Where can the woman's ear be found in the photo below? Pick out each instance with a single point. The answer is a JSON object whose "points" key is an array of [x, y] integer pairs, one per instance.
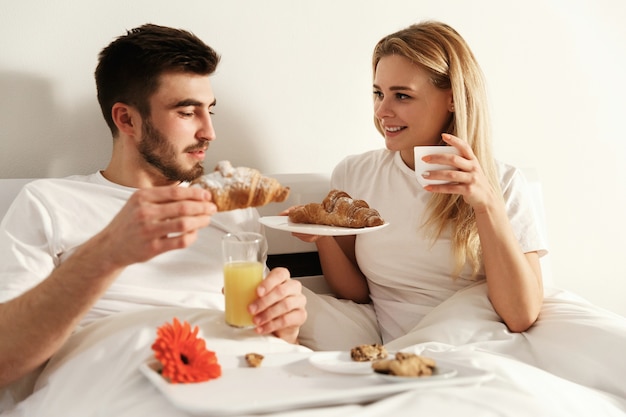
{"points": [[126, 118], [451, 104]]}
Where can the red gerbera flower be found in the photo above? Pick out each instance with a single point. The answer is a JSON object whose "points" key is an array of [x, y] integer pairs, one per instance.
{"points": [[184, 355]]}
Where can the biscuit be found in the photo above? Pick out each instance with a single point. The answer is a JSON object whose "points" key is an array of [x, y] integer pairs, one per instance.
{"points": [[365, 353], [254, 359], [405, 364]]}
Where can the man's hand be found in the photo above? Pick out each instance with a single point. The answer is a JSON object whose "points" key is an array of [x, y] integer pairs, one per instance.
{"points": [[154, 221], [280, 308]]}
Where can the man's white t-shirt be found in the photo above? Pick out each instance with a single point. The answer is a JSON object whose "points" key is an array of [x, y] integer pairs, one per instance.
{"points": [[408, 274], [51, 217]]}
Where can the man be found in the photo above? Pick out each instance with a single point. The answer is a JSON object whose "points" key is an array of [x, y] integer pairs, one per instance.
{"points": [[134, 235]]}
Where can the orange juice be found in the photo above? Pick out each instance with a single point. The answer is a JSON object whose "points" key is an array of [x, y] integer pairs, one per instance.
{"points": [[240, 282]]}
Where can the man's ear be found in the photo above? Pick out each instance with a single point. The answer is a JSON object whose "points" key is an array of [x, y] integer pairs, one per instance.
{"points": [[126, 118]]}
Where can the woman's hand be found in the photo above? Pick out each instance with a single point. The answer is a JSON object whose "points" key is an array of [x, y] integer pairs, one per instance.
{"points": [[469, 181], [302, 236]]}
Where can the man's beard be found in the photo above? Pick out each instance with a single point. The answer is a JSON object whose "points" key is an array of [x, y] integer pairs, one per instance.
{"points": [[159, 153]]}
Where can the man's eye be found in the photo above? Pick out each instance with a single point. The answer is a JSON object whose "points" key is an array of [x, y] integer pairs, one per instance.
{"points": [[186, 114]]}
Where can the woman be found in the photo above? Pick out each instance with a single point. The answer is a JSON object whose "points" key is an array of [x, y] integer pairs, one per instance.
{"points": [[429, 90]]}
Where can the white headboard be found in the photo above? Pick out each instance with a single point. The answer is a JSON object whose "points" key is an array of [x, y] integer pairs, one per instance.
{"points": [[305, 188], [8, 190]]}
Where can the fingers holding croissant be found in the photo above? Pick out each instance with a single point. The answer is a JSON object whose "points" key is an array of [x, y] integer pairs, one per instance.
{"points": [[241, 187]]}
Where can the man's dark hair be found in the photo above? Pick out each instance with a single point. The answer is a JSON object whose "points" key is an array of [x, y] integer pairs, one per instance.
{"points": [[129, 68]]}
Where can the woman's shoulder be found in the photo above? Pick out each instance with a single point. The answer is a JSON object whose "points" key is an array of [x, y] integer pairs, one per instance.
{"points": [[511, 175], [361, 165], [376, 156]]}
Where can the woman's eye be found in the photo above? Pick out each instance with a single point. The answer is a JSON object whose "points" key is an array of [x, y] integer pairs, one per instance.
{"points": [[378, 94], [402, 96]]}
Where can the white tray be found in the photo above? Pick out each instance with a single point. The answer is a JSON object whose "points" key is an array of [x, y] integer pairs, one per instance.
{"points": [[288, 381]]}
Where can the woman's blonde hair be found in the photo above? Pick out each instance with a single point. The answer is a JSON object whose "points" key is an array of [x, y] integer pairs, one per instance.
{"points": [[445, 55]]}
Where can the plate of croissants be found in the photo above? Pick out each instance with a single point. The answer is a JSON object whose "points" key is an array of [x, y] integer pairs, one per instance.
{"points": [[283, 223], [337, 215]]}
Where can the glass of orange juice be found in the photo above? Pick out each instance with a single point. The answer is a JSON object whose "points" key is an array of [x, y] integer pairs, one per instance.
{"points": [[244, 266]]}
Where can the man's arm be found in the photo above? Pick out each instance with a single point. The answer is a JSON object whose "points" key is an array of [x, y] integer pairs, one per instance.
{"points": [[153, 221]]}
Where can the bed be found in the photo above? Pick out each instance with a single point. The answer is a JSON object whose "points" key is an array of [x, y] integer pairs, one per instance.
{"points": [[570, 363]]}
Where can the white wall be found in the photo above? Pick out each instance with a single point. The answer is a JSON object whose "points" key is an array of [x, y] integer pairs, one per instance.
{"points": [[294, 95]]}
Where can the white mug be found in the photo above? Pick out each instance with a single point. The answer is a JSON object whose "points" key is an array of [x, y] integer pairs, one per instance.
{"points": [[421, 166]]}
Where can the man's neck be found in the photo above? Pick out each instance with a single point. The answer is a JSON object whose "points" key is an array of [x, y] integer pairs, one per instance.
{"points": [[131, 175], [128, 169]]}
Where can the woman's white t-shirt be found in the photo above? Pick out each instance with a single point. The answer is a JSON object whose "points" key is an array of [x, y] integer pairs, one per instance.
{"points": [[409, 274]]}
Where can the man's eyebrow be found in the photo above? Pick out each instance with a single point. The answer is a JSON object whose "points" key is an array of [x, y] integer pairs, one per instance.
{"points": [[192, 102]]}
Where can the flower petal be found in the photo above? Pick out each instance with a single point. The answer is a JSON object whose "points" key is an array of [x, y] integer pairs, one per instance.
{"points": [[183, 355]]}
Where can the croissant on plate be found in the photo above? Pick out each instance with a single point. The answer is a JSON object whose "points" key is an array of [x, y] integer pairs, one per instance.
{"points": [[337, 209], [241, 187]]}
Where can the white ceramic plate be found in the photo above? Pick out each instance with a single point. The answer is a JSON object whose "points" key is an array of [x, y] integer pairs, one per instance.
{"points": [[283, 223], [340, 363], [440, 372]]}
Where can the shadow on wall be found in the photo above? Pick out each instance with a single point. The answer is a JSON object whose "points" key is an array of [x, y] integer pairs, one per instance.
{"points": [[39, 137], [42, 137]]}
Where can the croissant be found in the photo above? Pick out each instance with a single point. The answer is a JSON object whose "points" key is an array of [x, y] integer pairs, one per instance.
{"points": [[241, 187], [337, 209]]}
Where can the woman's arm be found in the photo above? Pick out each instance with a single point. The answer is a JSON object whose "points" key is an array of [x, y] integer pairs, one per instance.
{"points": [[514, 279], [339, 266]]}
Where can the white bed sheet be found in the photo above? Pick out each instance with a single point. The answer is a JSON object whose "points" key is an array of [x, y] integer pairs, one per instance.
{"points": [[569, 364]]}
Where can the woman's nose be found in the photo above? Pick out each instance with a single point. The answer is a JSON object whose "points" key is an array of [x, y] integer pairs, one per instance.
{"points": [[382, 109]]}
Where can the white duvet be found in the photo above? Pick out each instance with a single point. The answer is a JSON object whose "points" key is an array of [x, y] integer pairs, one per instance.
{"points": [[570, 363]]}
